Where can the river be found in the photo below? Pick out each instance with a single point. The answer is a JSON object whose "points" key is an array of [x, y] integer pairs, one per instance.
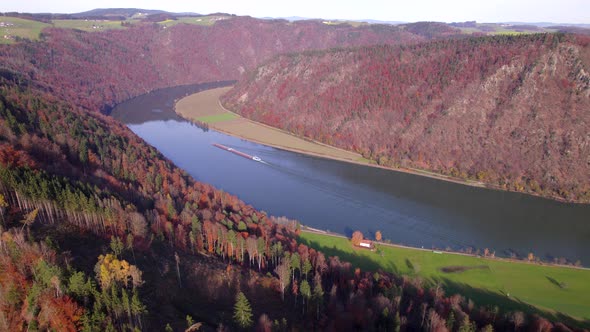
{"points": [[342, 197]]}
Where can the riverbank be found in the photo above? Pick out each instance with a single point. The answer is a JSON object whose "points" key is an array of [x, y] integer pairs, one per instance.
{"points": [[460, 253], [204, 107], [513, 285]]}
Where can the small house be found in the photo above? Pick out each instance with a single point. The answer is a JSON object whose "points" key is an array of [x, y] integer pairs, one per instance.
{"points": [[367, 244]]}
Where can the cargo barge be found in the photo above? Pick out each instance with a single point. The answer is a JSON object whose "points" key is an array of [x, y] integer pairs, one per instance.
{"points": [[239, 153]]}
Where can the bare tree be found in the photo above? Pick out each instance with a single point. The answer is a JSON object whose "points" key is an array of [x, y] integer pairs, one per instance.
{"points": [[378, 236], [251, 247], [283, 271], [264, 324]]}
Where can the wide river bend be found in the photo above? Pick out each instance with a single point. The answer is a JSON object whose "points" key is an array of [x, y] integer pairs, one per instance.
{"points": [[342, 197]]}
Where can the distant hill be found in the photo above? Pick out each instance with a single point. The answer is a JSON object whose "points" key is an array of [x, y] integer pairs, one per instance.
{"points": [[301, 18], [126, 12], [431, 30], [571, 29], [223, 50], [99, 13]]}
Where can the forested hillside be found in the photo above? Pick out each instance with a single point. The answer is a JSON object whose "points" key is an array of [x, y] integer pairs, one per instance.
{"points": [[97, 70], [99, 232], [512, 112]]}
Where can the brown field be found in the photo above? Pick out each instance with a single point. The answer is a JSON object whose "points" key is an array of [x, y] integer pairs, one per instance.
{"points": [[204, 106]]}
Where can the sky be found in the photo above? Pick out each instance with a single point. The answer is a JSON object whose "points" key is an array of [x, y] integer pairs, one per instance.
{"points": [[557, 11]]}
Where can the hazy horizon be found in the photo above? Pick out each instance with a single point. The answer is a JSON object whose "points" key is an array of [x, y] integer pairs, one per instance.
{"points": [[493, 11]]}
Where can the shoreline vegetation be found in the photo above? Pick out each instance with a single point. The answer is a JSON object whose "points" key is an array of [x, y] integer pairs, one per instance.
{"points": [[512, 281], [205, 109]]}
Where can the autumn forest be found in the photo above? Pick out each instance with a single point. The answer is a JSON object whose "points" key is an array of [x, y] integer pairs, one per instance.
{"points": [[101, 232]]}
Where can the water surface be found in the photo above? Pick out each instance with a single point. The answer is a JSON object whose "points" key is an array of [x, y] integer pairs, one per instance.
{"points": [[343, 197]]}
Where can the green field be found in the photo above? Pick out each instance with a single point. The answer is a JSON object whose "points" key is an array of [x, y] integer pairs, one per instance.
{"points": [[201, 20], [365, 160], [21, 28], [556, 291], [13, 27], [88, 25], [498, 29], [352, 23], [217, 117]]}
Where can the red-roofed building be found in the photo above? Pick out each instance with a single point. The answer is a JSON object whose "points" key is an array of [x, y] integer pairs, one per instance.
{"points": [[366, 244]]}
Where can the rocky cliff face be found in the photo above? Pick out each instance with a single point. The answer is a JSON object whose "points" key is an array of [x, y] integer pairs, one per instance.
{"points": [[512, 112]]}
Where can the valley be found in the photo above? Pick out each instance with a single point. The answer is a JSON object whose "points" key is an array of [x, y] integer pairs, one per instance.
{"points": [[343, 197], [116, 214]]}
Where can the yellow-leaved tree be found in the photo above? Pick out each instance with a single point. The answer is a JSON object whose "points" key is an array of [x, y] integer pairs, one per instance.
{"points": [[357, 237], [111, 270]]}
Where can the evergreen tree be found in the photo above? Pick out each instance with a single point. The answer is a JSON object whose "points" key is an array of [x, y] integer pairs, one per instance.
{"points": [[451, 321], [189, 321], [242, 311], [83, 151], [3, 206], [305, 290], [137, 308], [242, 226], [318, 294], [306, 268], [397, 323], [466, 325], [116, 246], [488, 328]]}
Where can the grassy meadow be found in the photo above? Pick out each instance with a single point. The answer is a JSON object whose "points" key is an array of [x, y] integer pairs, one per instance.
{"points": [[88, 25], [217, 117], [499, 29], [11, 27], [200, 20], [556, 291], [30, 29]]}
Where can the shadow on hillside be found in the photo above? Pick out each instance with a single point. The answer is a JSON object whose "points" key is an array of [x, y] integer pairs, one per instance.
{"points": [[481, 297], [505, 302], [364, 262]]}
